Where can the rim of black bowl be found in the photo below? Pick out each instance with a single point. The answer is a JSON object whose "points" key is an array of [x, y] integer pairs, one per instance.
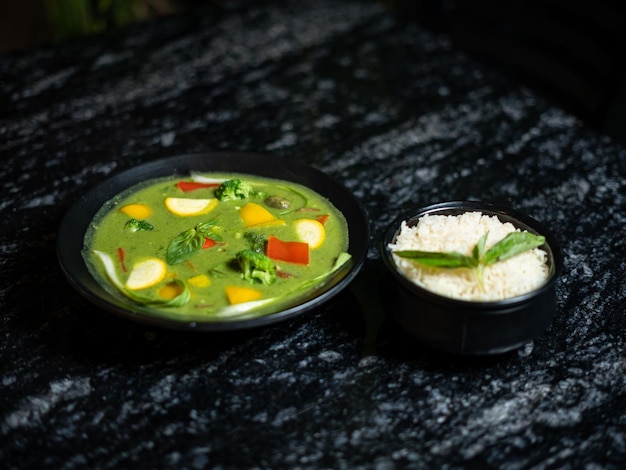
{"points": [[77, 219], [505, 214]]}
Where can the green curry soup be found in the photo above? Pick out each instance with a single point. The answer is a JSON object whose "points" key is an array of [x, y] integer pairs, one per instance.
{"points": [[216, 246]]}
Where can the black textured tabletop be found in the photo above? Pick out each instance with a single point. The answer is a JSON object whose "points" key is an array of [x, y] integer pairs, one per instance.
{"points": [[402, 119]]}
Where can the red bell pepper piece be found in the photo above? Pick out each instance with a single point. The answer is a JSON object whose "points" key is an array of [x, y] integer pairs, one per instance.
{"points": [[322, 218], [291, 252], [187, 186], [121, 255], [208, 243]]}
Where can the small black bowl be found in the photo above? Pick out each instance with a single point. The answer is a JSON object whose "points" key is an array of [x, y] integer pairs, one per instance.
{"points": [[466, 327]]}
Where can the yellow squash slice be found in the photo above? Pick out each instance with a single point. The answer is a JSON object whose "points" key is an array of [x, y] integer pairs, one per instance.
{"points": [[310, 231], [146, 273], [186, 207]]}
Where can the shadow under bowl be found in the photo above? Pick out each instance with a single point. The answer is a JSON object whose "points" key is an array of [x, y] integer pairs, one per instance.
{"points": [[465, 327]]}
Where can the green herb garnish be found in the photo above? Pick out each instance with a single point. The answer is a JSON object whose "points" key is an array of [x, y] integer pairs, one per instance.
{"points": [[511, 245], [135, 225], [189, 242]]}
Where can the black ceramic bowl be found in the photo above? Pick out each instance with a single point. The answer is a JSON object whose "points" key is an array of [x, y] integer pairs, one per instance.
{"points": [[77, 219], [470, 327]]}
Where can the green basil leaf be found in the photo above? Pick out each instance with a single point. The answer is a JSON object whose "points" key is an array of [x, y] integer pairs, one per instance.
{"points": [[450, 259], [205, 225], [479, 249], [511, 245], [184, 246], [207, 230]]}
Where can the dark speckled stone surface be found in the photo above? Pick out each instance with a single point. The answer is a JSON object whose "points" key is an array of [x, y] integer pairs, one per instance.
{"points": [[401, 118]]}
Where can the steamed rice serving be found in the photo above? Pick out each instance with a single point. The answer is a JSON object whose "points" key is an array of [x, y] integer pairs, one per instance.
{"points": [[446, 233]]}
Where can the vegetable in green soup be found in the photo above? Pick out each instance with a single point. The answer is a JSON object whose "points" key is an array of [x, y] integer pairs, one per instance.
{"points": [[216, 246]]}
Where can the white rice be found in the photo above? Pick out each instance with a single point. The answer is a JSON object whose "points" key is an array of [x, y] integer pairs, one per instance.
{"points": [[503, 279]]}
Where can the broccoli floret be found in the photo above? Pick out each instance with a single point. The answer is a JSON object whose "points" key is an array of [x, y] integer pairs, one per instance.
{"points": [[256, 267], [256, 241], [233, 189], [134, 225]]}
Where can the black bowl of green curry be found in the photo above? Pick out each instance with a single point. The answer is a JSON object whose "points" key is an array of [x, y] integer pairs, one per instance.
{"points": [[76, 223]]}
